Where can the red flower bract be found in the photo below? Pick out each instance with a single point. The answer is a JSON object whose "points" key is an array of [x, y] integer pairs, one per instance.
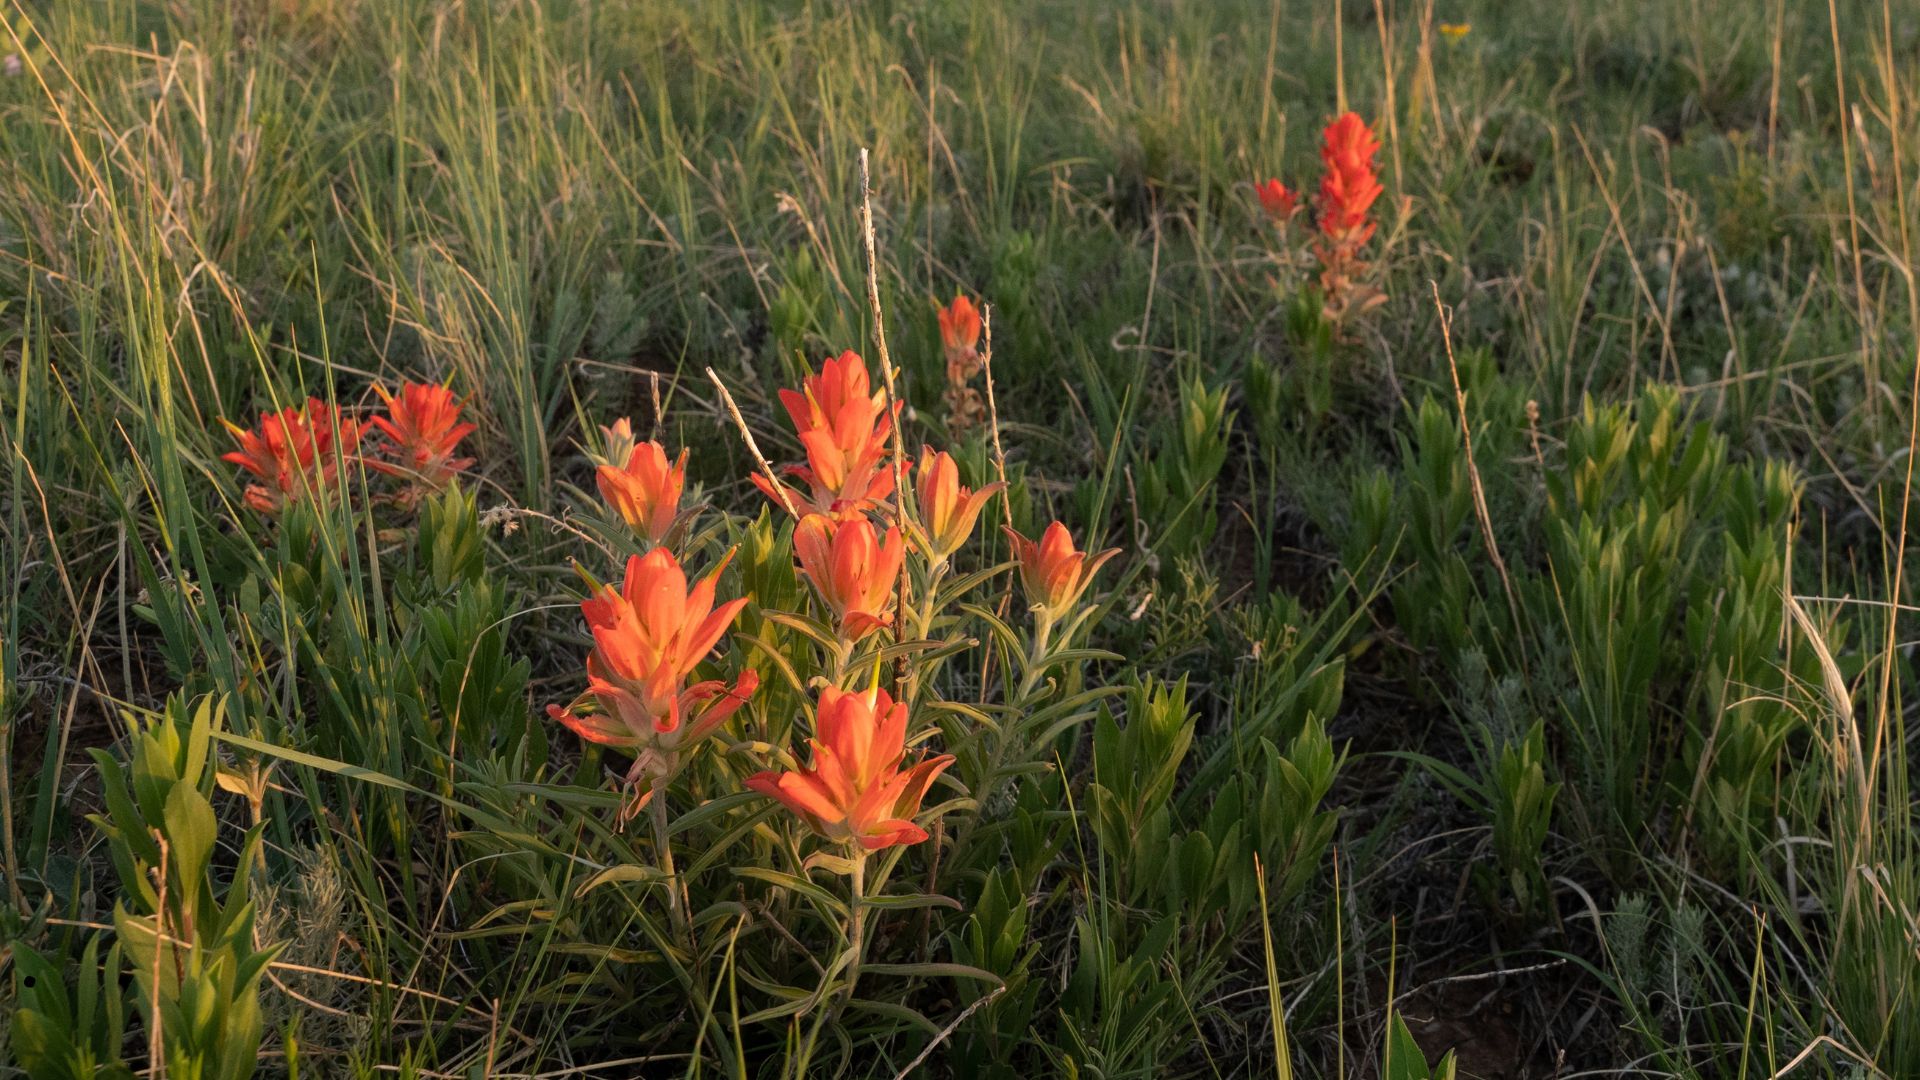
{"points": [[856, 792], [853, 569], [1349, 187], [648, 636], [293, 451], [424, 427], [947, 510], [844, 426], [959, 328], [646, 492], [1052, 572], [1278, 200]]}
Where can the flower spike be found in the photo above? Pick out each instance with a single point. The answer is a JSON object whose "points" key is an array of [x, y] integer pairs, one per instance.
{"points": [[294, 452], [855, 792]]}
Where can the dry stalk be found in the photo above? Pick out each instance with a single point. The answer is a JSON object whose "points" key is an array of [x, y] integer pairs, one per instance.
{"points": [[1473, 470], [753, 448], [893, 414]]}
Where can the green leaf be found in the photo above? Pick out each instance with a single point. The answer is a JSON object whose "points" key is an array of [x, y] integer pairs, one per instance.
{"points": [[191, 828], [713, 808], [912, 900], [931, 971], [793, 883], [199, 741], [896, 1012], [329, 765], [1405, 1059], [613, 875], [833, 864]]}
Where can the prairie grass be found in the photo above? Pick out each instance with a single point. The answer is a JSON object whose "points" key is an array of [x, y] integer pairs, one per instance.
{"points": [[1543, 637]]}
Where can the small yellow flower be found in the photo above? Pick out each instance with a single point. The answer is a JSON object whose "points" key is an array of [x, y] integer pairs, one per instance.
{"points": [[1453, 32]]}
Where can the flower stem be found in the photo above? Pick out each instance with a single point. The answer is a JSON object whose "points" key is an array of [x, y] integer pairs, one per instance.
{"points": [[843, 653], [1038, 661], [857, 923], [935, 574], [1037, 656], [676, 899], [924, 630]]}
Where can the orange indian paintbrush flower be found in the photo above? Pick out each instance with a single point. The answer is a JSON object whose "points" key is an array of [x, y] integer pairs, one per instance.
{"points": [[843, 425], [947, 510], [294, 452], [959, 330], [852, 568], [423, 424], [1349, 187], [646, 492], [1278, 200], [960, 326], [1347, 193], [856, 792], [1052, 572], [648, 637]]}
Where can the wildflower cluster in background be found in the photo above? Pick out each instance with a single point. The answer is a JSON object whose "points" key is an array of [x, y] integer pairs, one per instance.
{"points": [[960, 340], [1278, 200], [1348, 189], [423, 428], [296, 453], [1342, 212]]}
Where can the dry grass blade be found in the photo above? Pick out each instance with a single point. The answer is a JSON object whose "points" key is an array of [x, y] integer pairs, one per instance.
{"points": [[746, 434], [894, 413], [1481, 515]]}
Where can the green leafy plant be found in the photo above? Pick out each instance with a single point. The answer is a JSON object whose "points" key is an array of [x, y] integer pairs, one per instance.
{"points": [[187, 940], [65, 1035]]}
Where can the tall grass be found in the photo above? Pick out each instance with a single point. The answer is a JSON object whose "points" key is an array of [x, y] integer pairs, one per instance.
{"points": [[1675, 244]]}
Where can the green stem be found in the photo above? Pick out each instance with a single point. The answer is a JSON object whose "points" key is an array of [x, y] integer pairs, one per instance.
{"points": [[934, 575], [676, 900], [1037, 664], [1037, 655], [923, 629], [843, 652], [857, 923]]}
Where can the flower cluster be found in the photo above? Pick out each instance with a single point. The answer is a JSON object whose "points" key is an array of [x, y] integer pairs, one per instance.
{"points": [[1348, 189], [1052, 572], [423, 428], [1349, 186], [853, 568], [644, 490], [947, 509], [1278, 200], [860, 536], [295, 454]]}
